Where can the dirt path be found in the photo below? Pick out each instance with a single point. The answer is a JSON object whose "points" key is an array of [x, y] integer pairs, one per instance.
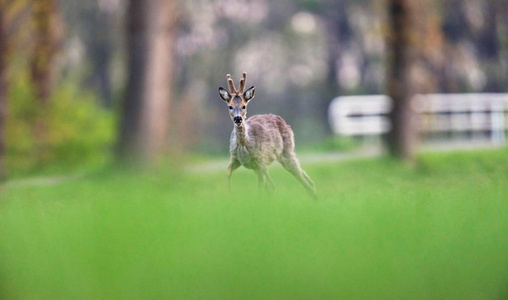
{"points": [[221, 164], [41, 181], [305, 159]]}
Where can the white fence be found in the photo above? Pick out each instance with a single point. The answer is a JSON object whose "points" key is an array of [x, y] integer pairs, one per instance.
{"points": [[470, 114]]}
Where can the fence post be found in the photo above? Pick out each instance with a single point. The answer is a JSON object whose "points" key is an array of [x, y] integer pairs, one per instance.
{"points": [[497, 121]]}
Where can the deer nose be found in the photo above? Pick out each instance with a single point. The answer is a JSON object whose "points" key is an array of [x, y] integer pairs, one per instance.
{"points": [[237, 119]]}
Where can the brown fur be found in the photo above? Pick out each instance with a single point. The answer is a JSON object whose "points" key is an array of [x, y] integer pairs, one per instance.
{"points": [[258, 141]]}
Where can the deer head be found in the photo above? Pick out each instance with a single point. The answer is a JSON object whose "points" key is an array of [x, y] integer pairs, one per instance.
{"points": [[237, 100]]}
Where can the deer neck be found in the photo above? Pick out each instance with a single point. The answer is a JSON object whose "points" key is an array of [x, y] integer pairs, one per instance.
{"points": [[241, 135]]}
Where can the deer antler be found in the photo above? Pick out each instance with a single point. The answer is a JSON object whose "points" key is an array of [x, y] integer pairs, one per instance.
{"points": [[231, 84], [242, 83]]}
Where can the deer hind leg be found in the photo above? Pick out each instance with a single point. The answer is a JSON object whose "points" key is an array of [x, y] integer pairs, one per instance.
{"points": [[290, 163], [233, 165], [308, 180]]}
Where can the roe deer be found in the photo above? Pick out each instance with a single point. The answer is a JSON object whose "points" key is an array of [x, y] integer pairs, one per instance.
{"points": [[259, 140]]}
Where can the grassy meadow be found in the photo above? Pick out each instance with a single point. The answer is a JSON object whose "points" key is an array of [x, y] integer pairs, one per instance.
{"points": [[380, 230]]}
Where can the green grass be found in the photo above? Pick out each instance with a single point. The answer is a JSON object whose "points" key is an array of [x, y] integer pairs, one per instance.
{"points": [[381, 230]]}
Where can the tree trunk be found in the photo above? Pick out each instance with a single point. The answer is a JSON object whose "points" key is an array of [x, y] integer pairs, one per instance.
{"points": [[48, 37], [502, 18], [402, 137], [100, 47], [150, 37], [490, 48], [339, 33], [3, 90], [48, 32]]}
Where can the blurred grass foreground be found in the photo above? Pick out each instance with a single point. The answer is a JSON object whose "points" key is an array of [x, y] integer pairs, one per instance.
{"points": [[381, 230]]}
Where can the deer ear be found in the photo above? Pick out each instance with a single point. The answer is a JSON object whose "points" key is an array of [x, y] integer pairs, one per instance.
{"points": [[249, 94], [224, 94]]}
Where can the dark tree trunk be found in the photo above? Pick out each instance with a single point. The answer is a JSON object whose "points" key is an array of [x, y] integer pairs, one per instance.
{"points": [[502, 28], [339, 33], [103, 56], [489, 48], [101, 47], [150, 37], [402, 137], [3, 92]]}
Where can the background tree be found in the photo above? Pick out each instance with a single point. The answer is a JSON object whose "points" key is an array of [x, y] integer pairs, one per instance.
{"points": [[48, 37], [150, 38], [401, 47], [339, 34], [3, 87], [299, 54], [489, 46], [95, 28]]}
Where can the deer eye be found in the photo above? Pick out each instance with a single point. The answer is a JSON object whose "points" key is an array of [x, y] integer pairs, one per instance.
{"points": [[243, 107], [231, 107]]}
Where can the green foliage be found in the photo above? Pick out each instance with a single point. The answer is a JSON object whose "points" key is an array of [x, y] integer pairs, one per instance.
{"points": [[380, 230], [80, 130], [21, 118], [76, 130]]}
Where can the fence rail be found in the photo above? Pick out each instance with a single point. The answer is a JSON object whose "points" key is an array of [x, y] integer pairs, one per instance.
{"points": [[437, 113]]}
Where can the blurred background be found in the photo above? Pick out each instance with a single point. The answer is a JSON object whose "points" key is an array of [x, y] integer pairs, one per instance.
{"points": [[88, 87], [85, 82]]}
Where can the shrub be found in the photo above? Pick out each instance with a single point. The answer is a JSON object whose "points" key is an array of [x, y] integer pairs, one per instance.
{"points": [[77, 131]]}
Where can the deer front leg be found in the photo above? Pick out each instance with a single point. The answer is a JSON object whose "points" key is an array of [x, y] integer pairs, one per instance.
{"points": [[233, 165], [270, 186], [261, 180], [264, 181]]}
